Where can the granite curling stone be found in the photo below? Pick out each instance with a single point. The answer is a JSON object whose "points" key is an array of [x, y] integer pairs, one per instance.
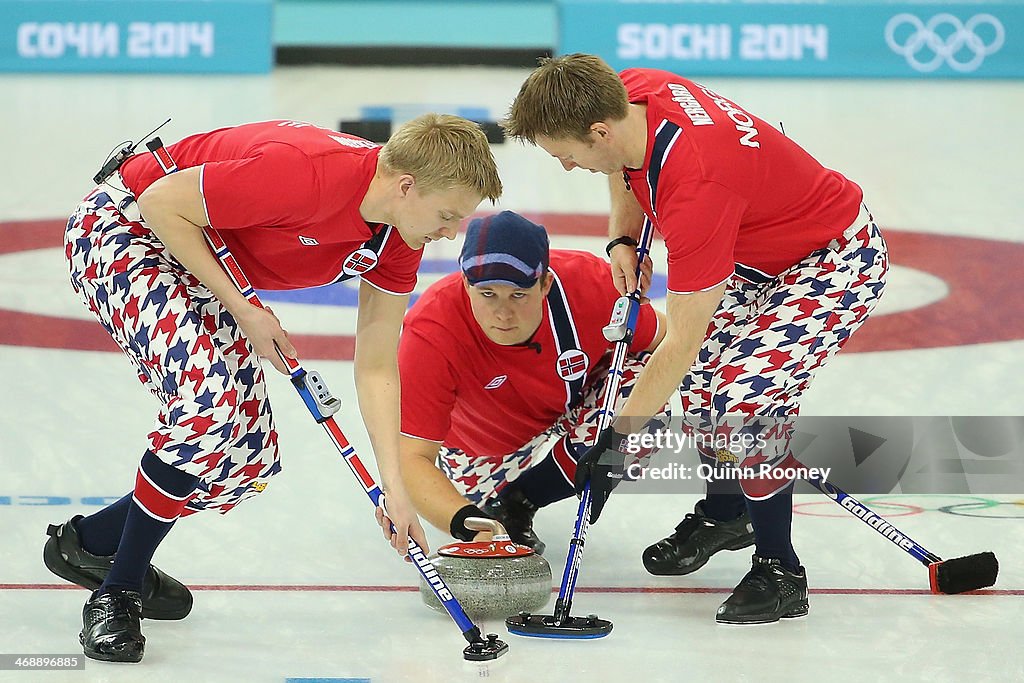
{"points": [[491, 579]]}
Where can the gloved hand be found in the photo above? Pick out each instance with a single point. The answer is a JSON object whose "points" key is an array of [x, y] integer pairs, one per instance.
{"points": [[602, 466]]}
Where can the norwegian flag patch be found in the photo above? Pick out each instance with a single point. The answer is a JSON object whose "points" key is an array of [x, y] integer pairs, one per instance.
{"points": [[359, 262], [572, 364]]}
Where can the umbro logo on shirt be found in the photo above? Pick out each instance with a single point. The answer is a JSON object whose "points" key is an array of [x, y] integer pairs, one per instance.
{"points": [[496, 382], [308, 241]]}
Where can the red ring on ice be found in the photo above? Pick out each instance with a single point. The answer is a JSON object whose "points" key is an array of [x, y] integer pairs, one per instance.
{"points": [[983, 305]]}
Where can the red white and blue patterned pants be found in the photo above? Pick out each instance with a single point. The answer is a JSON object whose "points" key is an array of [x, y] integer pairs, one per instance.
{"points": [[766, 341], [214, 420], [481, 477]]}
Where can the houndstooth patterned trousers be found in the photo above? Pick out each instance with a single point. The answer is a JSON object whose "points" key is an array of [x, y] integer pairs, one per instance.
{"points": [[767, 340], [214, 420], [481, 477]]}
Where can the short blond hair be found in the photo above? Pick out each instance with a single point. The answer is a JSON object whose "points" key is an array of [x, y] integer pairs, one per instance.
{"points": [[443, 152], [564, 97]]}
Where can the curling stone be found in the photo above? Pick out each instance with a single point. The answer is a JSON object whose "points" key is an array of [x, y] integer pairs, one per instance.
{"points": [[491, 579]]}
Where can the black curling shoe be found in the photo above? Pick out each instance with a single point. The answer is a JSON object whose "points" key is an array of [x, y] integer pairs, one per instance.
{"points": [[695, 540], [163, 596], [767, 593], [111, 627]]}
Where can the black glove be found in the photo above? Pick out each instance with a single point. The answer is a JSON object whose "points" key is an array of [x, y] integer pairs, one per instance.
{"points": [[458, 524], [602, 466]]}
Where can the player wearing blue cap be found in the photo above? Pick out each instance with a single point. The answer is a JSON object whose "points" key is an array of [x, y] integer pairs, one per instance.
{"points": [[498, 360]]}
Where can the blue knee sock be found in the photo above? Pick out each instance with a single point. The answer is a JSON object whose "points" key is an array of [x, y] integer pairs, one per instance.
{"points": [[724, 500], [100, 532], [773, 525], [545, 483], [161, 492]]}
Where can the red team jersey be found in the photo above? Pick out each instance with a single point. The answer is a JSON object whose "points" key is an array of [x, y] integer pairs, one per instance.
{"points": [[285, 197], [462, 389], [728, 192]]}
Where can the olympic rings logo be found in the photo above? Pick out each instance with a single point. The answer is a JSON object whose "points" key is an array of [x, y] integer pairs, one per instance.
{"points": [[910, 505], [946, 39]]}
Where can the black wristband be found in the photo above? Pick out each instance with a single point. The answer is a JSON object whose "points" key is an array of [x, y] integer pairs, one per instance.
{"points": [[458, 526], [617, 241]]}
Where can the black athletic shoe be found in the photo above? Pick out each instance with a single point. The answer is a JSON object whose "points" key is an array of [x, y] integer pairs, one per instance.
{"points": [[695, 540], [163, 597], [767, 593], [111, 629], [515, 512]]}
